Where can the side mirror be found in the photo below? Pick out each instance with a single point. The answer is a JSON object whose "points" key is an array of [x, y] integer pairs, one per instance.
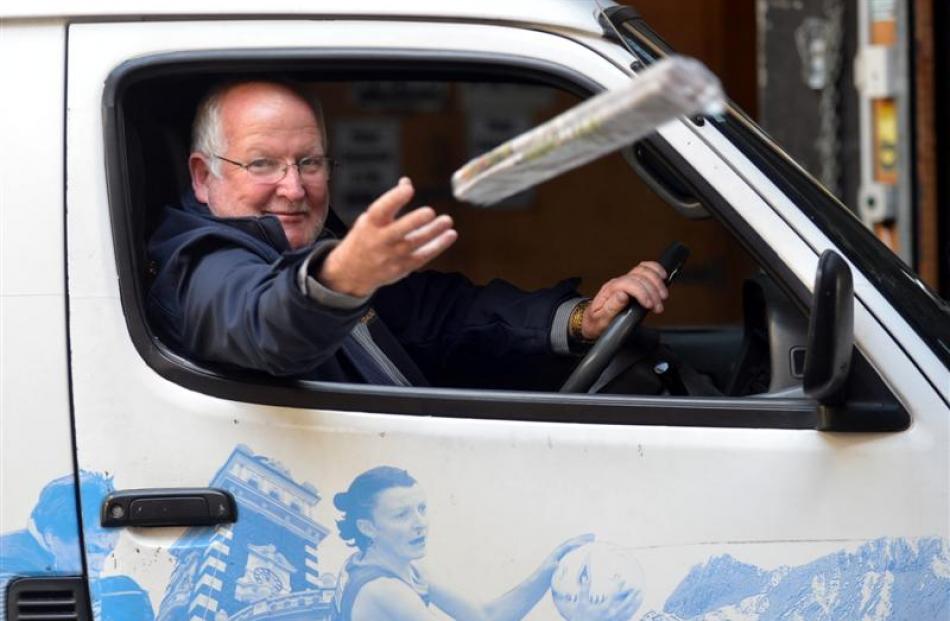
{"points": [[850, 398], [830, 331]]}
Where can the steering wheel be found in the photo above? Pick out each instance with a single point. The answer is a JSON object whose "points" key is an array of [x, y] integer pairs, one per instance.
{"points": [[623, 325]]}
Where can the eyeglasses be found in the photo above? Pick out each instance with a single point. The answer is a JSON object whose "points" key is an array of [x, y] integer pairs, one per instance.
{"points": [[269, 171]]}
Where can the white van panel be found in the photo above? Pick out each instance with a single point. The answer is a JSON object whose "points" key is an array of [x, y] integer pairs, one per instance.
{"points": [[550, 12], [34, 399], [36, 449], [31, 213], [502, 494]]}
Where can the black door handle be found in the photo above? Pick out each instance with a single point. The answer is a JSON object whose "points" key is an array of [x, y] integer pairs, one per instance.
{"points": [[645, 158], [202, 506]]}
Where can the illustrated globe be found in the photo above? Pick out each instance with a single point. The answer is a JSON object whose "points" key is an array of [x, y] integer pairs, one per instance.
{"points": [[598, 582]]}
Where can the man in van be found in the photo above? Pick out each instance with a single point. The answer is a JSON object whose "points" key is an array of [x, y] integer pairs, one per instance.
{"points": [[249, 278]]}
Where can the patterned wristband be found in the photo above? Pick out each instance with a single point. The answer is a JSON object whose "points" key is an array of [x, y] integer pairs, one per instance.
{"points": [[576, 322]]}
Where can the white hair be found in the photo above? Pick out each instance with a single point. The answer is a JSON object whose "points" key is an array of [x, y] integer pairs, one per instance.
{"points": [[207, 136]]}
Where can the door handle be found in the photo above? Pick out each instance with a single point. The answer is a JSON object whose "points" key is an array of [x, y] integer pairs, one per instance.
{"points": [[204, 506], [662, 178]]}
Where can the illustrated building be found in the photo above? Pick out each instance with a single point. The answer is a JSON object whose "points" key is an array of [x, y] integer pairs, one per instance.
{"points": [[264, 566]]}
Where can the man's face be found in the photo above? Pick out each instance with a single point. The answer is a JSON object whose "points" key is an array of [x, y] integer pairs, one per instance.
{"points": [[266, 121]]}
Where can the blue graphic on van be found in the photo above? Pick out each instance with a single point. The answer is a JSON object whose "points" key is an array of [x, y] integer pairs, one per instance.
{"points": [[384, 518], [265, 566], [598, 581], [262, 566], [49, 545], [883, 579]]}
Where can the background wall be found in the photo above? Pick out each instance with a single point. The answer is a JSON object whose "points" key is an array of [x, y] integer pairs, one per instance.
{"points": [[721, 33]]}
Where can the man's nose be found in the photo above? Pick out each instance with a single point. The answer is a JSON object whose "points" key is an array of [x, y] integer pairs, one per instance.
{"points": [[291, 186]]}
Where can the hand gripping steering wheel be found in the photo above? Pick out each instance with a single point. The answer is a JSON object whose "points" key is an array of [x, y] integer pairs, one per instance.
{"points": [[622, 326]]}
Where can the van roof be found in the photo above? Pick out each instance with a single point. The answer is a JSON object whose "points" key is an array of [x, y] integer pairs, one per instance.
{"points": [[573, 14]]}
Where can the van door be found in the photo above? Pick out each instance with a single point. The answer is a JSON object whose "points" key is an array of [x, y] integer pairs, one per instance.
{"points": [[728, 506], [39, 520]]}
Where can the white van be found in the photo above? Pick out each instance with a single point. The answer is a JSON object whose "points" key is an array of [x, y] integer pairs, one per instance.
{"points": [[807, 476]]}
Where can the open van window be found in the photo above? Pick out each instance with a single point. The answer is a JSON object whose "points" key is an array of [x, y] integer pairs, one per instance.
{"points": [[732, 335]]}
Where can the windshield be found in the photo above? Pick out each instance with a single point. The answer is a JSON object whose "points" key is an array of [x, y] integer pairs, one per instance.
{"points": [[926, 312]]}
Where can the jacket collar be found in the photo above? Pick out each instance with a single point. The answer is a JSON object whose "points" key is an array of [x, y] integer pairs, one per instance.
{"points": [[267, 228]]}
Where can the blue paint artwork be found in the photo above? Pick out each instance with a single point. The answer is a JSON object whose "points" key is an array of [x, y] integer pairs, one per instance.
{"points": [[385, 518], [261, 566], [266, 565], [888, 578], [598, 581], [50, 546]]}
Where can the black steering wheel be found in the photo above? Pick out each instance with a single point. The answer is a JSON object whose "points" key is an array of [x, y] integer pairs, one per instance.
{"points": [[620, 329]]}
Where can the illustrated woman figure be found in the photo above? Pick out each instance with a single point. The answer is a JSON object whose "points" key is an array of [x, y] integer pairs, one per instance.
{"points": [[384, 517]]}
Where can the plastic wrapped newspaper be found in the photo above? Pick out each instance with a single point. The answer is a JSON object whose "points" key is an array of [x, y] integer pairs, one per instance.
{"points": [[611, 120]]}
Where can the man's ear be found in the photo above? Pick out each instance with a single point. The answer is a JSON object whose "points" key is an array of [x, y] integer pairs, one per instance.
{"points": [[201, 176], [367, 528]]}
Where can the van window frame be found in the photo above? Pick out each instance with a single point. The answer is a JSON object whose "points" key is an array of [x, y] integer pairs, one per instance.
{"points": [[734, 412], [926, 312]]}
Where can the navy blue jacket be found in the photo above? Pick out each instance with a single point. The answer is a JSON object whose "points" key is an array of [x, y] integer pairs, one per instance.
{"points": [[226, 293]]}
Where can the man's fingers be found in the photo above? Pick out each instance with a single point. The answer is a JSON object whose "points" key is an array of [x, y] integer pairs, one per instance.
{"points": [[655, 291], [645, 283], [433, 248], [384, 209], [653, 277], [616, 303], [654, 273], [645, 292], [602, 298], [404, 226], [653, 266], [425, 233], [620, 290]]}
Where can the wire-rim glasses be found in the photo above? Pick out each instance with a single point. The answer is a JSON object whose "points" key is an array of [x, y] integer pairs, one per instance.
{"points": [[269, 171]]}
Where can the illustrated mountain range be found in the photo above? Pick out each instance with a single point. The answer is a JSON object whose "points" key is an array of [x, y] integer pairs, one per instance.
{"points": [[886, 579]]}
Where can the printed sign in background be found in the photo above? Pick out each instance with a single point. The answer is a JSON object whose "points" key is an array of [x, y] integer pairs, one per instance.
{"points": [[496, 113], [369, 153]]}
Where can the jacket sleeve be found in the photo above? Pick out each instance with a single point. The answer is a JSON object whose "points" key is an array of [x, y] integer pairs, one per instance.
{"points": [[463, 334], [240, 310]]}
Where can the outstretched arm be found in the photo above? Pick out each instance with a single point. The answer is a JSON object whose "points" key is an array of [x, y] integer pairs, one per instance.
{"points": [[517, 602], [382, 248]]}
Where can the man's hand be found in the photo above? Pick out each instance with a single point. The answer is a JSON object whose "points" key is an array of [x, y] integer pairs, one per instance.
{"points": [[381, 249], [644, 283]]}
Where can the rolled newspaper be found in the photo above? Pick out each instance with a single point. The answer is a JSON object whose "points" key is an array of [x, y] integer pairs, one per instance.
{"points": [[608, 121]]}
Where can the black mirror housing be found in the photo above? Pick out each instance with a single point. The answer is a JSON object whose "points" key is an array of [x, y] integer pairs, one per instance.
{"points": [[833, 370], [830, 331]]}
